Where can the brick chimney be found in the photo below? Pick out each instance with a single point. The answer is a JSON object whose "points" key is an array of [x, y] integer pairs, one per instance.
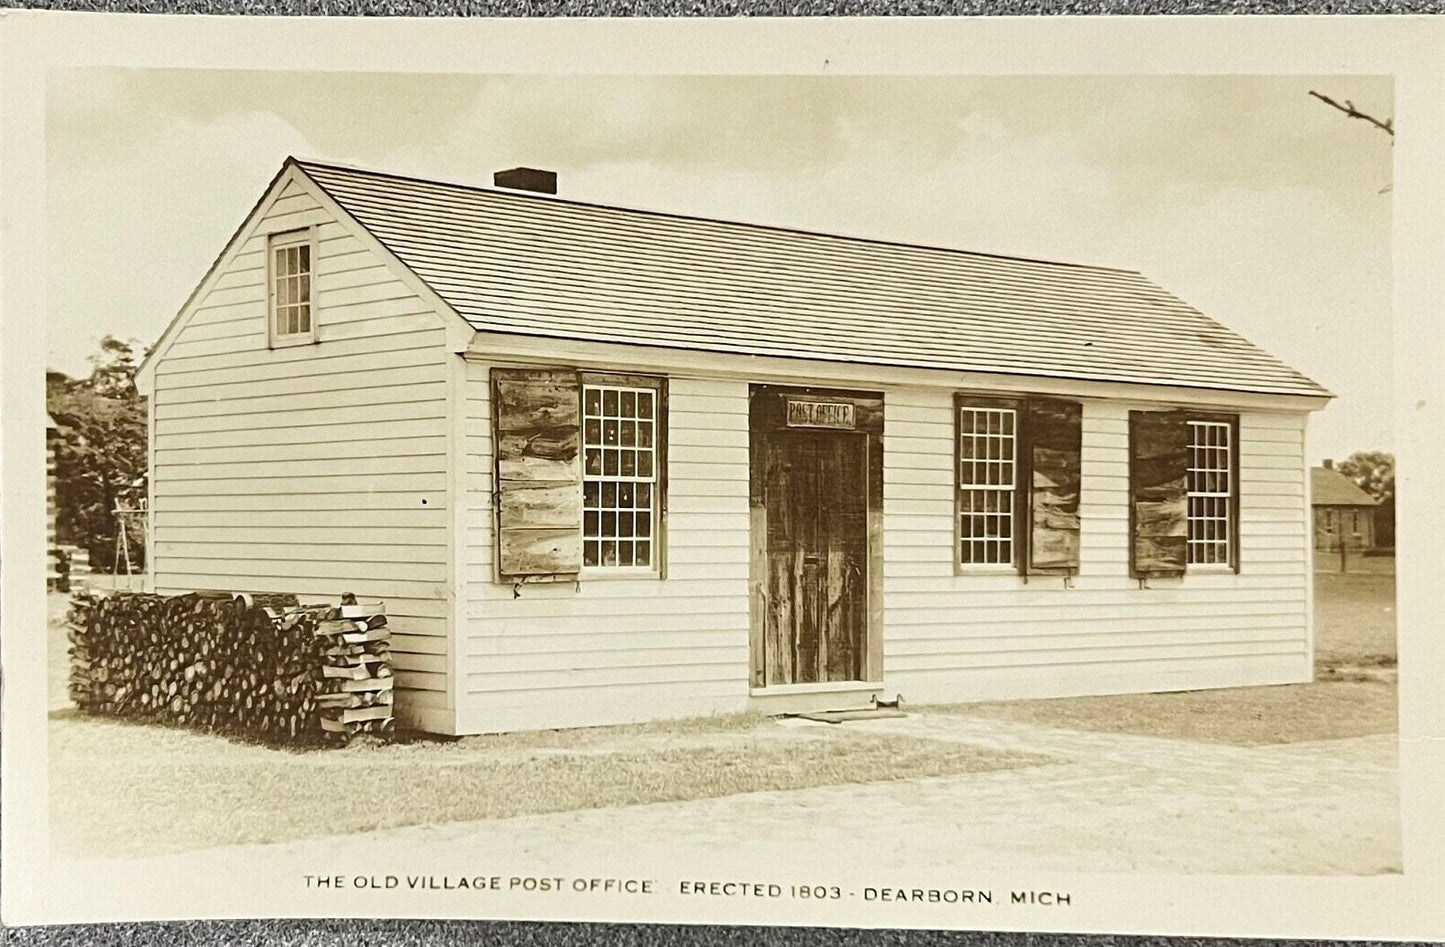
{"points": [[527, 179], [1329, 464]]}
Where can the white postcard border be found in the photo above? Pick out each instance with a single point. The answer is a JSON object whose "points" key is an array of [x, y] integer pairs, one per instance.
{"points": [[254, 882]]}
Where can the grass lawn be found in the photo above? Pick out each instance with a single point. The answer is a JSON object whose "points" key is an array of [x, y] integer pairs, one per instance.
{"points": [[1242, 716], [1354, 630], [1355, 614], [123, 788], [118, 787]]}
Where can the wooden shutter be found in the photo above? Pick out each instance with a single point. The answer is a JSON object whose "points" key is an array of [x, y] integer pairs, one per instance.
{"points": [[1054, 432], [537, 432], [1158, 493]]}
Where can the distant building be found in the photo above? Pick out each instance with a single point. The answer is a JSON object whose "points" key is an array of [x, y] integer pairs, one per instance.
{"points": [[1342, 510]]}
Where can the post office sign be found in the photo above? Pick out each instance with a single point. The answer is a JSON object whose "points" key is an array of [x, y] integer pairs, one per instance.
{"points": [[828, 414]]}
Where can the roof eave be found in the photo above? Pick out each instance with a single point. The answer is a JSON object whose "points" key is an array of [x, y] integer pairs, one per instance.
{"points": [[490, 339], [459, 331]]}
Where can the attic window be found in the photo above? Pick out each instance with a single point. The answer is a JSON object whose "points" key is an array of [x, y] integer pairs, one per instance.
{"points": [[289, 258]]}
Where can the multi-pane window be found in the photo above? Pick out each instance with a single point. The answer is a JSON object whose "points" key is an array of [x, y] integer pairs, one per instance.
{"points": [[291, 286], [1211, 487], [987, 484], [619, 476]]}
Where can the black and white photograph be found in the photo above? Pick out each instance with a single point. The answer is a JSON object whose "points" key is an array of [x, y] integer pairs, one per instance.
{"points": [[894, 496]]}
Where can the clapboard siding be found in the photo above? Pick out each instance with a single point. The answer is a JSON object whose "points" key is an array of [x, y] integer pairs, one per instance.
{"points": [[328, 507], [219, 529], [313, 469], [611, 651], [973, 636], [347, 355], [240, 401], [617, 650], [186, 452], [345, 436], [374, 415], [292, 384]]}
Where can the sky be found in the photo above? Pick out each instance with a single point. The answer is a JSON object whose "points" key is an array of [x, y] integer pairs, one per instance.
{"points": [[1243, 195]]}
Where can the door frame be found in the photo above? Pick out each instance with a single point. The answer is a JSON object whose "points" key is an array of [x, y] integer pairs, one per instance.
{"points": [[768, 414]]}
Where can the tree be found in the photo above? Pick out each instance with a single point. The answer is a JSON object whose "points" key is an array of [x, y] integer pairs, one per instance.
{"points": [[1386, 125], [100, 451], [1373, 471], [113, 368]]}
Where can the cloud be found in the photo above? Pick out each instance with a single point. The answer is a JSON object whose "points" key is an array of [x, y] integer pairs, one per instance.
{"points": [[1242, 194]]}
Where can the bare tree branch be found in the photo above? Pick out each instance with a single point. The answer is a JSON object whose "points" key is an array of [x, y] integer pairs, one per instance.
{"points": [[1387, 126]]}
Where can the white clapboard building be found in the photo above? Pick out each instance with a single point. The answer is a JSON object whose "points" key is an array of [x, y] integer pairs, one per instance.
{"points": [[608, 465]]}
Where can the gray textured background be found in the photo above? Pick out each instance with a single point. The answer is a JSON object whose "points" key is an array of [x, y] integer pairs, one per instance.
{"points": [[379, 933], [407, 933], [735, 7]]}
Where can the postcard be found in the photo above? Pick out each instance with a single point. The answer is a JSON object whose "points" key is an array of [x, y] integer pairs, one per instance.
{"points": [[846, 472]]}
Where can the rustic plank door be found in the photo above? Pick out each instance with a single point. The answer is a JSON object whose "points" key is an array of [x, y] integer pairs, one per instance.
{"points": [[815, 491]]}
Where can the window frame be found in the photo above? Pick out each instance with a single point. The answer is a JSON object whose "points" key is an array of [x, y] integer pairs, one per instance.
{"points": [[1231, 424], [1021, 488], [657, 569], [286, 239]]}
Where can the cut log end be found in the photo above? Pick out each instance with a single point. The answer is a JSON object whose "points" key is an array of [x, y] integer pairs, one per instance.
{"points": [[256, 665]]}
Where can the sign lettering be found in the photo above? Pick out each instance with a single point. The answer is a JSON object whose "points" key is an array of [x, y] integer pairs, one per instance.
{"points": [[830, 414]]}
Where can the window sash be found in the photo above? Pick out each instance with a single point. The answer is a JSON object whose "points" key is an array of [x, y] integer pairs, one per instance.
{"points": [[987, 484], [621, 466], [1211, 493], [291, 298]]}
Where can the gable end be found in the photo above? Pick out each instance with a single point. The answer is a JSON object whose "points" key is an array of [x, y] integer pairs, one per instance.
{"points": [[291, 179]]}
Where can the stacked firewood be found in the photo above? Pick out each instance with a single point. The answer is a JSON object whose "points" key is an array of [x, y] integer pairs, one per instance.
{"points": [[355, 686], [262, 666]]}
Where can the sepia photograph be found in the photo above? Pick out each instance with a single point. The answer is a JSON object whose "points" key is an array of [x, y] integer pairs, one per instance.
{"points": [[980, 478]]}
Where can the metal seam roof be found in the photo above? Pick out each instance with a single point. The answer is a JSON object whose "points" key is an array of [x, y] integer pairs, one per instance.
{"points": [[537, 265]]}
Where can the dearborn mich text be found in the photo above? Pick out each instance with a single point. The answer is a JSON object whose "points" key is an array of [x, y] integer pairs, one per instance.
{"points": [[929, 895]]}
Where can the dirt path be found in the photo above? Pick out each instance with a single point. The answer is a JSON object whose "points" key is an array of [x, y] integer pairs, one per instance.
{"points": [[1114, 803]]}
